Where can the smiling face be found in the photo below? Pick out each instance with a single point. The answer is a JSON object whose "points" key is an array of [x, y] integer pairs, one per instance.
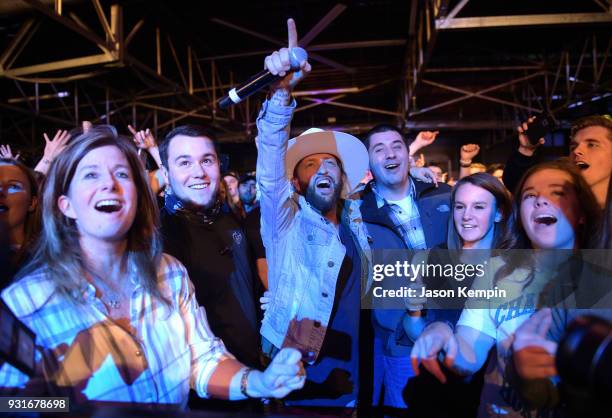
{"points": [[193, 170], [550, 211], [16, 199], [591, 151], [319, 178], [474, 215], [102, 197], [389, 161]]}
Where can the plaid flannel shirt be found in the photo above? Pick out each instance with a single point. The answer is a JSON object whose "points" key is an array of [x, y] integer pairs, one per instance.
{"points": [[84, 354], [408, 224]]}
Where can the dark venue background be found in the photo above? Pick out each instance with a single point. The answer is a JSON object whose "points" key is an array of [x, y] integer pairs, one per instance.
{"points": [[470, 69]]}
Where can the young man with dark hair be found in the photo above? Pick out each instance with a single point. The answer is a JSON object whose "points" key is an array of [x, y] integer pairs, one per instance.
{"points": [[590, 150], [247, 190], [208, 241], [399, 213]]}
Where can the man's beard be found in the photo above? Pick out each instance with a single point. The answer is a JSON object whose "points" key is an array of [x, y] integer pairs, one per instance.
{"points": [[247, 200], [320, 203]]}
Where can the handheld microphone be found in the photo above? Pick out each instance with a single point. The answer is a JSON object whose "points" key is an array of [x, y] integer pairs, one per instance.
{"points": [[261, 80]]}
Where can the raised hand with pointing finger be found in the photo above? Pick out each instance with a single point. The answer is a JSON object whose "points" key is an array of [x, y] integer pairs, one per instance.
{"points": [[143, 139], [279, 63]]}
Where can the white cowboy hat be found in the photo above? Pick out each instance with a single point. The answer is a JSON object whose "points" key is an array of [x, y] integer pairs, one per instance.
{"points": [[349, 150]]}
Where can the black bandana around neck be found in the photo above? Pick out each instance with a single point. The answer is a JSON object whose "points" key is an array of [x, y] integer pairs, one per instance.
{"points": [[175, 206]]}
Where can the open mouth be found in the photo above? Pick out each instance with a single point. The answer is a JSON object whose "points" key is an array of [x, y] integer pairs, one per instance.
{"points": [[108, 205], [582, 165], [465, 226], [324, 184], [545, 219], [391, 166], [3, 208], [199, 186]]}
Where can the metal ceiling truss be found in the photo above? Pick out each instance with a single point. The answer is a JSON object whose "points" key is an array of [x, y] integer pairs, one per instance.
{"points": [[431, 17], [179, 83], [198, 89]]}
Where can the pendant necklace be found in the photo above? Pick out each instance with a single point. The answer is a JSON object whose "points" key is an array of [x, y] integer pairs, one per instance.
{"points": [[113, 303]]}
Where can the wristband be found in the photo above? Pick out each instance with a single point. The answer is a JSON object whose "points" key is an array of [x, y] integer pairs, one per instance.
{"points": [[465, 163], [243, 381]]}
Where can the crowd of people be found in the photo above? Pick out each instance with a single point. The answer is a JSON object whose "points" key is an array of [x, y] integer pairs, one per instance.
{"points": [[189, 285]]}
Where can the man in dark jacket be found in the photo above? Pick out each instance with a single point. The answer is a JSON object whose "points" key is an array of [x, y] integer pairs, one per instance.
{"points": [[399, 213], [210, 242]]}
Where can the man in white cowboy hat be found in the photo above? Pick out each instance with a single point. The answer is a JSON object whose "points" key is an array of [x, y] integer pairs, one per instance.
{"points": [[314, 241]]}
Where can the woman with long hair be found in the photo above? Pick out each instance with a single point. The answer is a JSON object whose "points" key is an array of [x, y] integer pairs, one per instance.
{"points": [[553, 209], [115, 319], [18, 211], [480, 208]]}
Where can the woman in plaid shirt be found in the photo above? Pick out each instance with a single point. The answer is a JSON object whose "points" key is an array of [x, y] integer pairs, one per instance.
{"points": [[115, 319]]}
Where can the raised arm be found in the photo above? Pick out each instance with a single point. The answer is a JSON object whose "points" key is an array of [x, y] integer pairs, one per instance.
{"points": [[523, 158], [52, 149], [273, 125], [145, 140], [422, 140], [467, 153], [5, 152]]}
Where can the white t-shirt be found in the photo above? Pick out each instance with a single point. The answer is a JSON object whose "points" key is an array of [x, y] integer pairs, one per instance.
{"points": [[499, 319]]}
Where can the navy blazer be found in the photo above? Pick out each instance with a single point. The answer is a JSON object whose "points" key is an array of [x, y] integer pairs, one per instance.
{"points": [[434, 209]]}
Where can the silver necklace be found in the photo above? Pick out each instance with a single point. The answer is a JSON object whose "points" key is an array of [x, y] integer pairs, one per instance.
{"points": [[113, 303]]}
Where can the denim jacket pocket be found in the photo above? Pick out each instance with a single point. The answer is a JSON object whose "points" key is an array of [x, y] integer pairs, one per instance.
{"points": [[313, 234]]}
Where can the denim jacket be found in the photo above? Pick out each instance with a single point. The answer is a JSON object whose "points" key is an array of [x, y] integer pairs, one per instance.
{"points": [[303, 248]]}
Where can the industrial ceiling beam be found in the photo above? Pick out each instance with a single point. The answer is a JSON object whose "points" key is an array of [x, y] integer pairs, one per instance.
{"points": [[480, 96], [473, 94], [522, 20], [484, 68], [59, 65], [456, 9], [322, 24], [133, 32], [21, 34], [69, 24], [40, 116], [355, 107], [278, 42], [318, 47]]}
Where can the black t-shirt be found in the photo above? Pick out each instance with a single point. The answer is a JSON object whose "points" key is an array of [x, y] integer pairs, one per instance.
{"points": [[217, 259]]}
